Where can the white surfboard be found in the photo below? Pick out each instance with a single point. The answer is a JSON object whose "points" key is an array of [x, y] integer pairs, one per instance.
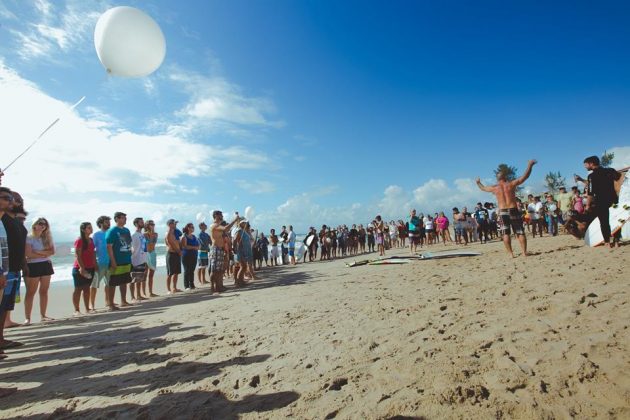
{"points": [[449, 254], [309, 241], [619, 217]]}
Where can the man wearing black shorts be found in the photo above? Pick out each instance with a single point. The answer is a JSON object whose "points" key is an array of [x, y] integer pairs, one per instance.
{"points": [[173, 257], [12, 262], [510, 215], [601, 194], [118, 239]]}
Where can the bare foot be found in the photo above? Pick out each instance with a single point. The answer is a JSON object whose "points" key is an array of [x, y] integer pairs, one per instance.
{"points": [[153, 295], [11, 324], [47, 319]]}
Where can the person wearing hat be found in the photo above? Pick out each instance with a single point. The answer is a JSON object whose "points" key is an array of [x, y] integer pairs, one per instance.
{"points": [[118, 239], [173, 257]]}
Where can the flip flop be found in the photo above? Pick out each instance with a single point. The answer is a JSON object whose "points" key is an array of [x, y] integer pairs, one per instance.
{"points": [[47, 319], [8, 344]]}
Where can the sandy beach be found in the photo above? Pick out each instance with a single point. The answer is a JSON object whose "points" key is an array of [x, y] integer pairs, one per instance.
{"points": [[477, 337]]}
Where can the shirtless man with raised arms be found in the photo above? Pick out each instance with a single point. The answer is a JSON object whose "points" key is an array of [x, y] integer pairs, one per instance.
{"points": [[505, 191], [217, 252]]}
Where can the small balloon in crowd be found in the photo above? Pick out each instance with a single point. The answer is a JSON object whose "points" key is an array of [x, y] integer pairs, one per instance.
{"points": [[129, 42], [201, 217], [249, 212]]}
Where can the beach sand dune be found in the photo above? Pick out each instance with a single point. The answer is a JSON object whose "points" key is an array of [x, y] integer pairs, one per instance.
{"points": [[476, 337]]}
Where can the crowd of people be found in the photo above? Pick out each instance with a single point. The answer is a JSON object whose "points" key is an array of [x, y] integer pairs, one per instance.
{"points": [[115, 258]]}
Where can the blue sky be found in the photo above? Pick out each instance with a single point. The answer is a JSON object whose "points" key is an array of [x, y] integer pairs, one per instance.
{"points": [[310, 111]]}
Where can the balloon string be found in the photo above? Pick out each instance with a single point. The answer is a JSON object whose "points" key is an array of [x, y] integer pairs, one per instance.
{"points": [[41, 135]]}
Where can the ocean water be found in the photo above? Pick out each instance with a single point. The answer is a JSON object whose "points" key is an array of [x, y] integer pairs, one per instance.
{"points": [[63, 260]]}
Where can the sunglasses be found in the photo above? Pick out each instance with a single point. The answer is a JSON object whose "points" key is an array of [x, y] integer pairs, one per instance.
{"points": [[42, 224]]}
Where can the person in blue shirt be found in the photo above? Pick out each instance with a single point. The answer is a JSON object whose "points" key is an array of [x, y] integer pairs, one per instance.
{"points": [[102, 260], [291, 239], [118, 240], [204, 248]]}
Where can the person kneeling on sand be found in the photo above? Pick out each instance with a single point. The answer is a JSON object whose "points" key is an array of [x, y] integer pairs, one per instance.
{"points": [[505, 191]]}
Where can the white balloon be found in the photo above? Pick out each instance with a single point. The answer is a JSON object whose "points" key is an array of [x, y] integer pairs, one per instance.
{"points": [[201, 217], [249, 212], [129, 42]]}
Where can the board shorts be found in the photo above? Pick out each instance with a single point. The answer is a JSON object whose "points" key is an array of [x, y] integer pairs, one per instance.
{"points": [[511, 220], [202, 262], [152, 260], [10, 291], [414, 237], [102, 273], [217, 259], [380, 239], [121, 275], [79, 280], [40, 269], [274, 251], [173, 263], [138, 272], [292, 250]]}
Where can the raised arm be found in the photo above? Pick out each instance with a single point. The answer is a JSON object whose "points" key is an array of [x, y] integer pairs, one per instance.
{"points": [[483, 187], [527, 173]]}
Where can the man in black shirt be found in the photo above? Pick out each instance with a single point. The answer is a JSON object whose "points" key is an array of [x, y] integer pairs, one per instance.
{"points": [[16, 244], [601, 193]]}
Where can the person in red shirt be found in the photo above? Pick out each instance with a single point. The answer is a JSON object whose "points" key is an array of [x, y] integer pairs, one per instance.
{"points": [[84, 267]]}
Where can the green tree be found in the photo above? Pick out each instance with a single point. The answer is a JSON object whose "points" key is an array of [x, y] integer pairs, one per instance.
{"points": [[554, 181], [606, 159]]}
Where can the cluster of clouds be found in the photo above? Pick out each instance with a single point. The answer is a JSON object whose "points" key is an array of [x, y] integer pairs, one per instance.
{"points": [[91, 164]]}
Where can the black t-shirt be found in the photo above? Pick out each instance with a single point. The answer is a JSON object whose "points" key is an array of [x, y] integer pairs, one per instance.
{"points": [[601, 185], [16, 237]]}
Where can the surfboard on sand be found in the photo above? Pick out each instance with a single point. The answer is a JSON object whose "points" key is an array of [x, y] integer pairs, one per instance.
{"points": [[449, 254], [389, 261], [619, 218], [359, 263]]}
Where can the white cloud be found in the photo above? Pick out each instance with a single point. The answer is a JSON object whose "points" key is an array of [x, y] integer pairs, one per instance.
{"points": [[218, 105], [395, 202], [622, 156], [66, 216], [81, 158], [67, 29], [301, 212], [256, 186]]}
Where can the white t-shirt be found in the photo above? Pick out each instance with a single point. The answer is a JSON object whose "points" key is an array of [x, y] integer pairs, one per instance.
{"points": [[36, 245], [291, 239], [4, 250], [138, 256], [531, 209]]}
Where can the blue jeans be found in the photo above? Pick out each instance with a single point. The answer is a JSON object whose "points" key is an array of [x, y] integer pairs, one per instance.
{"points": [[552, 225]]}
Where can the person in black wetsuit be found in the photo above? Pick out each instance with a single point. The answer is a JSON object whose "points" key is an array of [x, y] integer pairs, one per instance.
{"points": [[601, 194]]}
